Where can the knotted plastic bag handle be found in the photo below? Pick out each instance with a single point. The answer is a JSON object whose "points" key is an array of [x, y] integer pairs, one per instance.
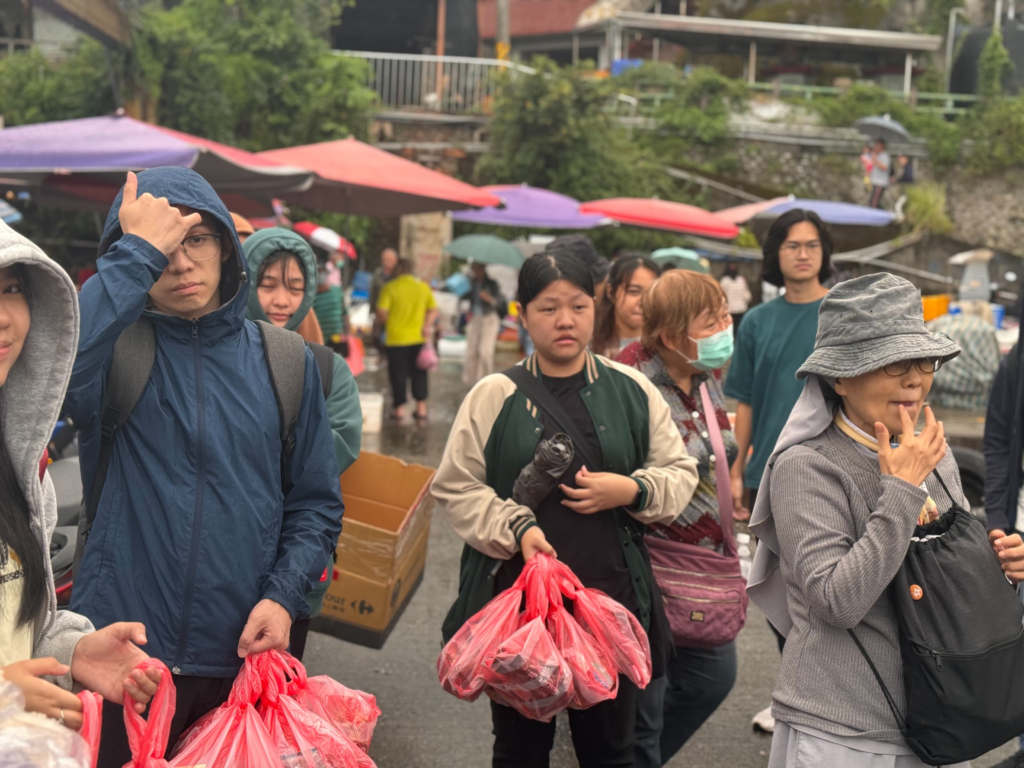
{"points": [[147, 738]]}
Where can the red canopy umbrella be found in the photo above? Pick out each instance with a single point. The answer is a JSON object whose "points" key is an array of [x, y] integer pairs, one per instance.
{"points": [[353, 177], [326, 238], [662, 214]]}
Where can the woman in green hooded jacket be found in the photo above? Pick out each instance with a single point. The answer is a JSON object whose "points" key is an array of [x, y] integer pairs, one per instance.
{"points": [[283, 268]]}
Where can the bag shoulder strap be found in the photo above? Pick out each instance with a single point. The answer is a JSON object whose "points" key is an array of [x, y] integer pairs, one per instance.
{"points": [[286, 360], [534, 388], [324, 357], [721, 464], [901, 721], [130, 369]]}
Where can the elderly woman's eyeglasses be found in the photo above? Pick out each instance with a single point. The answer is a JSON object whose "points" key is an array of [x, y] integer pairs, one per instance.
{"points": [[924, 365], [201, 247]]}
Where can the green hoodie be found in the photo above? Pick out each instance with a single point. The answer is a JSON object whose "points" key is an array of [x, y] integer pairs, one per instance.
{"points": [[343, 407]]}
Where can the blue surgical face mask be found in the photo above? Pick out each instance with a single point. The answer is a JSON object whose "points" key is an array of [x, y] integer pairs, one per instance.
{"points": [[712, 352]]}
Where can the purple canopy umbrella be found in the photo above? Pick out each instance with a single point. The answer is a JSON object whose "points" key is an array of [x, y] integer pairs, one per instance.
{"points": [[82, 163], [526, 206], [832, 212]]}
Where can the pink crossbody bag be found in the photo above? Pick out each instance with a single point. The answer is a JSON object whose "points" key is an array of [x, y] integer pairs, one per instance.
{"points": [[704, 592]]}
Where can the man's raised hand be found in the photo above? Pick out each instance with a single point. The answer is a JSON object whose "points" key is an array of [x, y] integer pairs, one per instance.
{"points": [[153, 218]]}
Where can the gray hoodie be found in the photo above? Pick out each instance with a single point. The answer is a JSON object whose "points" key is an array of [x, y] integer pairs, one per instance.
{"points": [[31, 401]]}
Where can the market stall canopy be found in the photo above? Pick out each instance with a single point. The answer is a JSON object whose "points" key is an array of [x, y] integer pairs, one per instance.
{"points": [[325, 238], [526, 206], [741, 214], [832, 212], [882, 127], [662, 214], [9, 214], [485, 249], [356, 178], [82, 163]]}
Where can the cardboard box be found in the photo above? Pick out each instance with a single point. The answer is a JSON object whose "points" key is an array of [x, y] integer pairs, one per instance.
{"points": [[382, 549]]}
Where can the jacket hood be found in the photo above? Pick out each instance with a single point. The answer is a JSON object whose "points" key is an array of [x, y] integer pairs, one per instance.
{"points": [[183, 186], [38, 380], [258, 247]]}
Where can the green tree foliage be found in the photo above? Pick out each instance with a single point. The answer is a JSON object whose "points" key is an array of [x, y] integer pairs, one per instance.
{"points": [[555, 130], [256, 73], [995, 67], [926, 208], [34, 89]]}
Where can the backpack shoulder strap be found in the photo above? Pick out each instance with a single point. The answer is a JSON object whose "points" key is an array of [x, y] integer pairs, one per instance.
{"points": [[130, 369], [324, 357], [286, 361]]}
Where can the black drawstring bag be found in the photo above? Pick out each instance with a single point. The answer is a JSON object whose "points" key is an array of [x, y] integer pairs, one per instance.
{"points": [[961, 641]]}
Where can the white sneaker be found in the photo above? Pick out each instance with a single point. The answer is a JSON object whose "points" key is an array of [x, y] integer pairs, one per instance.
{"points": [[763, 721]]}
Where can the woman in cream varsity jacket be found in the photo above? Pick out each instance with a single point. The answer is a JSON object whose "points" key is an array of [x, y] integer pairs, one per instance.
{"points": [[593, 521]]}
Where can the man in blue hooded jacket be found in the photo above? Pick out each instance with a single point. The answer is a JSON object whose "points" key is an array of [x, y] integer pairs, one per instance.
{"points": [[196, 534]]}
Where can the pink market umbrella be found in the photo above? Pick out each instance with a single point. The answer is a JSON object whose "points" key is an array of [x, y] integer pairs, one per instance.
{"points": [[741, 214], [325, 238], [663, 214]]}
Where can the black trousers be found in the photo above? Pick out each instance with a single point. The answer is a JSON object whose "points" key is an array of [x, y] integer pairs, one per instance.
{"points": [[195, 697], [297, 639], [603, 736], [401, 368]]}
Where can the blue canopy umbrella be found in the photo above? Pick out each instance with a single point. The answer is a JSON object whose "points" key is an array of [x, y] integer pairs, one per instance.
{"points": [[832, 212]]}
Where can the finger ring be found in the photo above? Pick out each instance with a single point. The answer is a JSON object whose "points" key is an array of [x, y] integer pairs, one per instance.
{"points": [[61, 721]]}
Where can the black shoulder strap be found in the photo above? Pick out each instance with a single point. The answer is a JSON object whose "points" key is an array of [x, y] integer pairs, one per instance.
{"points": [[534, 389], [324, 357], [286, 360], [130, 368], [900, 720]]}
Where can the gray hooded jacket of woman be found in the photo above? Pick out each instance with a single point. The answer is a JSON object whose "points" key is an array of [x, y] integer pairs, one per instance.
{"points": [[31, 401]]}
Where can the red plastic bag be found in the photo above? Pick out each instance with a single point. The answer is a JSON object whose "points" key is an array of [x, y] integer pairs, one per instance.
{"points": [[231, 736], [594, 677], [302, 738], [618, 632], [354, 713], [147, 738], [92, 722], [526, 672], [460, 665]]}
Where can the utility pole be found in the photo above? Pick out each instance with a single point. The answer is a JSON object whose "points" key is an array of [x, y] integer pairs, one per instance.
{"points": [[950, 36], [503, 38], [442, 18]]}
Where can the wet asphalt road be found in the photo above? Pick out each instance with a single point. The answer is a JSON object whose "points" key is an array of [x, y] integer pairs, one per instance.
{"points": [[424, 727]]}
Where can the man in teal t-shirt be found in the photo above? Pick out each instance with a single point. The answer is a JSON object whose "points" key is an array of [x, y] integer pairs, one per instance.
{"points": [[774, 341]]}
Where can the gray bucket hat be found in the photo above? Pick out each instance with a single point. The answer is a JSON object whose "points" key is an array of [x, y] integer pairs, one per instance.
{"points": [[868, 322]]}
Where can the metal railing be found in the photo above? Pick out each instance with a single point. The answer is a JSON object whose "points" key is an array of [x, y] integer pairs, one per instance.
{"points": [[444, 84]]}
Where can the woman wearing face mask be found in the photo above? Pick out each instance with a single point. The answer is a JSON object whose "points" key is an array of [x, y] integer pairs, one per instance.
{"points": [[619, 319], [687, 338], [38, 339], [594, 520], [285, 270]]}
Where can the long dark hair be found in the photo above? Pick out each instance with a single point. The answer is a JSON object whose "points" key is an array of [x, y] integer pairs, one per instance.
{"points": [[542, 269], [16, 535], [771, 271], [621, 273]]}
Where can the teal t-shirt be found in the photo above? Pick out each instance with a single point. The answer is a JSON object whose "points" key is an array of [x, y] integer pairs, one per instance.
{"points": [[773, 342]]}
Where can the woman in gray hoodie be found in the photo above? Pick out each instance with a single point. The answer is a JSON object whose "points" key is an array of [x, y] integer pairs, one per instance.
{"points": [[42, 650]]}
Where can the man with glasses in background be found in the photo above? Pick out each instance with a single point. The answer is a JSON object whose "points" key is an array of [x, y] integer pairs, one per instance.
{"points": [[206, 527], [774, 341]]}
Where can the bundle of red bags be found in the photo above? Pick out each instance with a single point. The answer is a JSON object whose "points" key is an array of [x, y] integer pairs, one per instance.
{"points": [[275, 716], [546, 659]]}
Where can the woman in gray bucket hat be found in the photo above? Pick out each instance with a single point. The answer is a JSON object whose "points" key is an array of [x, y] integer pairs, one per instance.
{"points": [[835, 515]]}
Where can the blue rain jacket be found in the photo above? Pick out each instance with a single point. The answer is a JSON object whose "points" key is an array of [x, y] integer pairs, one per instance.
{"points": [[194, 527]]}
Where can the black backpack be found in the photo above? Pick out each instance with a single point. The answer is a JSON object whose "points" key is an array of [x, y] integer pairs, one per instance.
{"points": [[132, 364], [961, 643]]}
